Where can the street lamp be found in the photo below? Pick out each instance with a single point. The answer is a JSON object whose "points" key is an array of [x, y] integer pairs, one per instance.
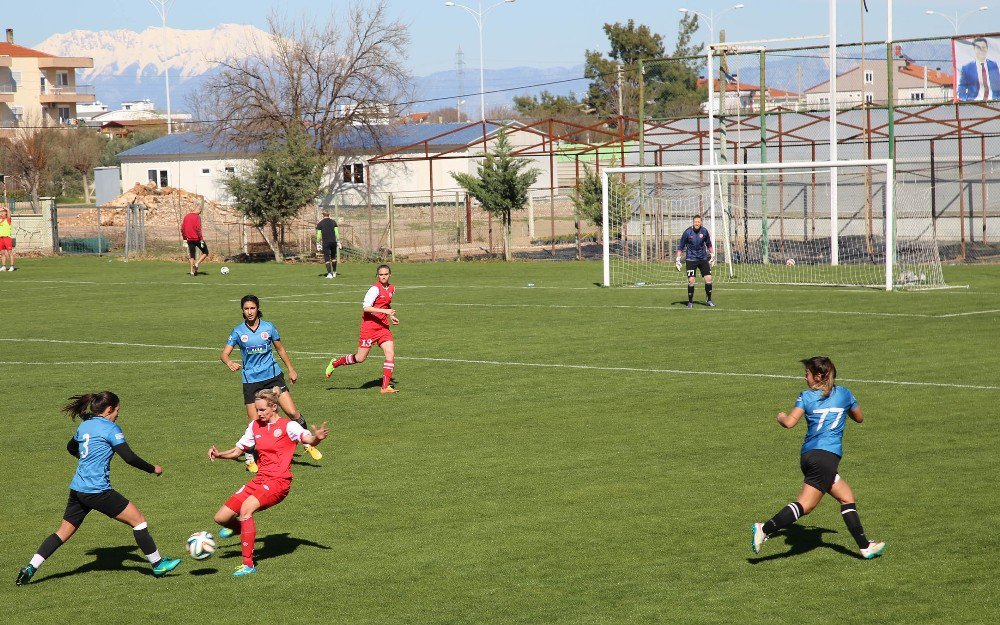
{"points": [[480, 16], [957, 20], [161, 7]]}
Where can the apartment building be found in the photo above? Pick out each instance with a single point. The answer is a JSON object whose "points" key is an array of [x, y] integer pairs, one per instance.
{"points": [[38, 88], [913, 84]]}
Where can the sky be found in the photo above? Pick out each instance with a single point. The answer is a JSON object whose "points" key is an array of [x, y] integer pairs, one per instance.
{"points": [[536, 33]]}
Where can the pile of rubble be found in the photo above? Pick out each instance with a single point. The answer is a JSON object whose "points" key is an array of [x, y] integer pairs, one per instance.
{"points": [[165, 207]]}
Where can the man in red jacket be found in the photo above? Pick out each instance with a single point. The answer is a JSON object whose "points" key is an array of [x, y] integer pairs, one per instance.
{"points": [[191, 232]]}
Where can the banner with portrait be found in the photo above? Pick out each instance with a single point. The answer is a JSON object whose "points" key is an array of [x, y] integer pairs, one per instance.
{"points": [[976, 65]]}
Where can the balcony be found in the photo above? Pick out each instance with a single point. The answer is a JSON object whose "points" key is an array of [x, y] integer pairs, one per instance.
{"points": [[65, 62], [7, 92], [67, 95]]}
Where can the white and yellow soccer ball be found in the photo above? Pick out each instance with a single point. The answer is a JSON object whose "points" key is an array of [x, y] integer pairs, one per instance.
{"points": [[225, 271], [790, 262], [201, 545]]}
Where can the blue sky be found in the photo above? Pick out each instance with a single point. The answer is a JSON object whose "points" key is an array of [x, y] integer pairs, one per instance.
{"points": [[538, 33]]}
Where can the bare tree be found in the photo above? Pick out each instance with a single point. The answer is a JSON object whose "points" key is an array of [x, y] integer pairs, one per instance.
{"points": [[80, 150], [28, 157], [347, 75]]}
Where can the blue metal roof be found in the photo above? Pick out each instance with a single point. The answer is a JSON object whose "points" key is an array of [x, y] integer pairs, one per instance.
{"points": [[191, 144]]}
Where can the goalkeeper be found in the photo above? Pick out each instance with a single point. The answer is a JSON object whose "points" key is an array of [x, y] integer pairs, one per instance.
{"points": [[696, 242], [327, 234]]}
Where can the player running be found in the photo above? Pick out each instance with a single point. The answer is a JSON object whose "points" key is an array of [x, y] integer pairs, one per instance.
{"points": [[274, 437], [824, 406], [700, 257], [96, 440], [375, 319], [255, 338]]}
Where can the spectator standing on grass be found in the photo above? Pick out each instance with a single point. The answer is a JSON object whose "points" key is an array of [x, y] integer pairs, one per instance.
{"points": [[826, 407], [6, 240], [327, 234], [191, 232], [696, 243]]}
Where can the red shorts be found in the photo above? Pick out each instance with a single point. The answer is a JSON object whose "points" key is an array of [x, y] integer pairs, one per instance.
{"points": [[6, 243], [268, 491], [374, 335]]}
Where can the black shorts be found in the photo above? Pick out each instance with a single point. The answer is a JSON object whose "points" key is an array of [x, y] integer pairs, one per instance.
{"points": [[329, 251], [250, 388], [820, 469], [194, 246], [703, 266], [111, 503]]}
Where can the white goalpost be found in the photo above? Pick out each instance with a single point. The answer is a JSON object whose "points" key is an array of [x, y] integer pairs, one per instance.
{"points": [[842, 223]]}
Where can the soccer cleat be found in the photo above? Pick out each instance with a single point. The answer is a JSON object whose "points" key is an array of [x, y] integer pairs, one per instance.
{"points": [[243, 569], [226, 533], [4, 268], [164, 566], [710, 303], [329, 276], [24, 575], [389, 389], [690, 305], [334, 274], [873, 550], [315, 453], [757, 537], [251, 466], [329, 367]]}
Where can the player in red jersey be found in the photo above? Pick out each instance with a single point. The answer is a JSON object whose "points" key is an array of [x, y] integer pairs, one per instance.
{"points": [[274, 437], [376, 317]]}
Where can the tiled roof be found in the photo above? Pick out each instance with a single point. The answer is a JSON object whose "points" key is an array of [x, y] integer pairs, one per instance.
{"points": [[14, 50]]}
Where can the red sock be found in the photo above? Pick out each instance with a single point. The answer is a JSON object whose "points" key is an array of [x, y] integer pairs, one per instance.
{"points": [[344, 360], [248, 533], [387, 373]]}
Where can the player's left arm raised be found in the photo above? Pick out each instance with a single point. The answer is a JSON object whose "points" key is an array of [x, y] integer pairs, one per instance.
{"points": [[283, 354], [318, 434]]}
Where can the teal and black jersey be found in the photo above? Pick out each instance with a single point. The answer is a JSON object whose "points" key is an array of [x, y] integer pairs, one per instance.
{"points": [[97, 437], [697, 244], [825, 418], [255, 346]]}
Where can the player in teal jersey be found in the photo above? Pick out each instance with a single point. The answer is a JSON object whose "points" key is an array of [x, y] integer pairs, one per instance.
{"points": [[255, 338], [826, 407], [95, 442]]}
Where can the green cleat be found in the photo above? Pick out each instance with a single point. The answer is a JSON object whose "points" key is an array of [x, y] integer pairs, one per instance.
{"points": [[24, 575], [164, 566], [226, 532], [329, 367], [243, 569]]}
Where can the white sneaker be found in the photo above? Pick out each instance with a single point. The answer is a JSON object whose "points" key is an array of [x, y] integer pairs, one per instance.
{"points": [[4, 268], [329, 276], [757, 537], [873, 550], [334, 274]]}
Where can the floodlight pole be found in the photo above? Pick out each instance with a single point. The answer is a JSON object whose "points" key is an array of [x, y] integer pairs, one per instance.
{"points": [[480, 16], [834, 216], [161, 7]]}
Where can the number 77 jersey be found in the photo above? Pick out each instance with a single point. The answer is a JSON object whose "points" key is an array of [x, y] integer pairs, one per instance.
{"points": [[826, 418]]}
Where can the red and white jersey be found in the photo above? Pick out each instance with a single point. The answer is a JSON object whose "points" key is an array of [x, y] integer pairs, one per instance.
{"points": [[275, 444], [378, 296]]}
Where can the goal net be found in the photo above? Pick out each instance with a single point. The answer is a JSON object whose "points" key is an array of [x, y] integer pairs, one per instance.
{"points": [[840, 224]]}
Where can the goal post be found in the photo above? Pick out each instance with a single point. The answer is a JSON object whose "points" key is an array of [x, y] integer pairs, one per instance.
{"points": [[816, 222]]}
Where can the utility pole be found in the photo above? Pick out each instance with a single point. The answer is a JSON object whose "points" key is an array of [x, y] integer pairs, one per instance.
{"points": [[460, 74]]}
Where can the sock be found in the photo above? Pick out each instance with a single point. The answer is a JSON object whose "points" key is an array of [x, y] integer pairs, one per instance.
{"points": [[234, 525], [49, 546], [690, 292], [345, 360], [329, 267], [850, 513], [708, 290], [335, 267], [145, 542], [248, 457], [248, 534], [788, 515], [387, 372], [301, 421]]}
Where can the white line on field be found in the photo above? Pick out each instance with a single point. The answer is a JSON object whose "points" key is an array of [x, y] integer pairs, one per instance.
{"points": [[110, 362], [972, 312], [325, 355]]}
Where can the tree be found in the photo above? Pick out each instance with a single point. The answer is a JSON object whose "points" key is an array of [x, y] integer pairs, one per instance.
{"points": [[285, 177], [587, 200], [80, 151], [547, 105], [500, 186], [448, 114], [345, 76], [28, 158], [116, 145]]}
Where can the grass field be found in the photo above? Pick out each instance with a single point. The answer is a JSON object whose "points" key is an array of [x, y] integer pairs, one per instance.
{"points": [[560, 453]]}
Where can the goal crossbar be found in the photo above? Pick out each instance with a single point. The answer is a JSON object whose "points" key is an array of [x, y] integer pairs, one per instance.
{"points": [[833, 166]]}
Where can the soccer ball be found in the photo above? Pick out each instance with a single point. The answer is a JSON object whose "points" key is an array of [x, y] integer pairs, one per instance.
{"points": [[790, 262], [201, 545], [225, 271]]}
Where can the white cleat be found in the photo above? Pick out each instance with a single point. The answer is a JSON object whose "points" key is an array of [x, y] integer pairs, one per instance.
{"points": [[329, 276], [873, 550], [757, 537]]}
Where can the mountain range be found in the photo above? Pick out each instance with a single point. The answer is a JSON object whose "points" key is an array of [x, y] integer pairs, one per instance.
{"points": [[128, 67]]}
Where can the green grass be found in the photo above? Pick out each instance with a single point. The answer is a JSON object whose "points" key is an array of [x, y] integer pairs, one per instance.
{"points": [[615, 488]]}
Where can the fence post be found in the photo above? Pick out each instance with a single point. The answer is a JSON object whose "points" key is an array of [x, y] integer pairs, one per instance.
{"points": [[489, 227], [531, 216], [392, 229], [100, 248], [54, 220], [458, 224], [468, 218]]}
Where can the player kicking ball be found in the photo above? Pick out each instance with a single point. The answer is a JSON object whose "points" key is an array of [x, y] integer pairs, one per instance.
{"points": [[697, 243], [376, 317]]}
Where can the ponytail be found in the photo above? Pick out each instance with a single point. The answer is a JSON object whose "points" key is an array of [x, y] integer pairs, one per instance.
{"points": [[89, 404], [823, 371]]}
